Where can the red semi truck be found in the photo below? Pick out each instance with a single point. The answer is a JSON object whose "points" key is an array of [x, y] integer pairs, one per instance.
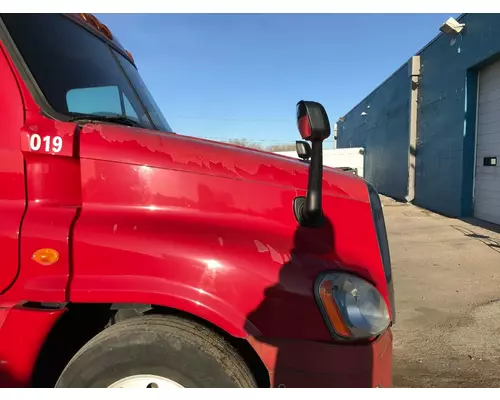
{"points": [[135, 257]]}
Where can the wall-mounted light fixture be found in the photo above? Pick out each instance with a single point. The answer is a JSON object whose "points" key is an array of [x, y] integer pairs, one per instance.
{"points": [[452, 27]]}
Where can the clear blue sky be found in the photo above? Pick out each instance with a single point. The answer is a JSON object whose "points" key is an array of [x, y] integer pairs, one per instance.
{"points": [[240, 76]]}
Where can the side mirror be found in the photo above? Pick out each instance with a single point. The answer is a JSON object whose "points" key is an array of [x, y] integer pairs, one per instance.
{"points": [[312, 121], [313, 124], [303, 150]]}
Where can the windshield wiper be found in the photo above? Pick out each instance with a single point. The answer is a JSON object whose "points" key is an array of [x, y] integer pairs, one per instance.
{"points": [[118, 119]]}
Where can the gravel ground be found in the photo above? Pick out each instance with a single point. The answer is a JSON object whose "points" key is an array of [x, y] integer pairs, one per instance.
{"points": [[447, 284]]}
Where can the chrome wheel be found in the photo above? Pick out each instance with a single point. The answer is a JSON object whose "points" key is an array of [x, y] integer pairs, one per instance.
{"points": [[145, 382]]}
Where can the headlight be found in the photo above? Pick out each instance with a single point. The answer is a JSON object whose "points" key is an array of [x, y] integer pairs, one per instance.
{"points": [[352, 307]]}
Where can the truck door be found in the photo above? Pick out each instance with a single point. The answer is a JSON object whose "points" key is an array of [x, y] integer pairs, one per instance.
{"points": [[40, 185], [12, 187]]}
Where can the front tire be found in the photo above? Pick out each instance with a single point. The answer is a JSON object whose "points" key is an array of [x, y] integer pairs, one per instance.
{"points": [[156, 351]]}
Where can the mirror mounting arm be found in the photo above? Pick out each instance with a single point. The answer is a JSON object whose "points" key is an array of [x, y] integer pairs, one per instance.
{"points": [[308, 209], [314, 186], [313, 126]]}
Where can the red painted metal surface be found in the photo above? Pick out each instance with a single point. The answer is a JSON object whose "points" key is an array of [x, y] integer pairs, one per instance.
{"points": [[22, 334], [12, 191], [54, 195], [307, 364], [209, 229]]}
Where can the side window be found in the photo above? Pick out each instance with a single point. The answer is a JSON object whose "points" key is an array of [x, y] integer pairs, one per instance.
{"points": [[94, 100], [99, 100], [129, 110]]}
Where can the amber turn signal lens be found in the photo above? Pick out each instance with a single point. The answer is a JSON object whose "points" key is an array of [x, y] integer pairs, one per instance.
{"points": [[325, 292], [45, 256]]}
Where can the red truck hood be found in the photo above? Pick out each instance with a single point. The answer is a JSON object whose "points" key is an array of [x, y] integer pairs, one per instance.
{"points": [[199, 156]]}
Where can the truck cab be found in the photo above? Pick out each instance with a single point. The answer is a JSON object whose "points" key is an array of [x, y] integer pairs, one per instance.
{"points": [[133, 256]]}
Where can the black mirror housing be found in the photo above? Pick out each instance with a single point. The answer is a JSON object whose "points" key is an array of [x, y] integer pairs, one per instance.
{"points": [[312, 121], [303, 149]]}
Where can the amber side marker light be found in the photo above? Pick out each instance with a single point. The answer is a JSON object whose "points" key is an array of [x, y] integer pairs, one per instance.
{"points": [[45, 256]]}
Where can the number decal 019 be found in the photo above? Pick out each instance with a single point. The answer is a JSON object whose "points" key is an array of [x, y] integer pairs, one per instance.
{"points": [[50, 144]]}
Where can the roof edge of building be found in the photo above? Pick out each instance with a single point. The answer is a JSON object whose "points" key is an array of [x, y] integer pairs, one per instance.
{"points": [[401, 67]]}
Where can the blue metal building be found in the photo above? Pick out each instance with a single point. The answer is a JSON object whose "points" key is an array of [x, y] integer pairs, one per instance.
{"points": [[431, 131]]}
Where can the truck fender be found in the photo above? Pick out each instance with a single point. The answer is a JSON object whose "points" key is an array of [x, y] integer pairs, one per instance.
{"points": [[160, 292]]}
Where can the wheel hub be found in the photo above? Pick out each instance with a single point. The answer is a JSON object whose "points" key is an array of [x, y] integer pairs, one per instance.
{"points": [[145, 382]]}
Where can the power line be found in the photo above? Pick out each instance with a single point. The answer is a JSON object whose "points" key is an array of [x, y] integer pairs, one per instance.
{"points": [[229, 119], [253, 140], [247, 140]]}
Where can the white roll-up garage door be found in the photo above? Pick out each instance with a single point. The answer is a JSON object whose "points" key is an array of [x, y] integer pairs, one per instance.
{"points": [[487, 176]]}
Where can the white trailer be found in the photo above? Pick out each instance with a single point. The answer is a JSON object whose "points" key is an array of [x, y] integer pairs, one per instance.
{"points": [[352, 158]]}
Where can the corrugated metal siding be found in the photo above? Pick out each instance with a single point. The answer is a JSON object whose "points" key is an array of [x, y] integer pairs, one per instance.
{"points": [[442, 114], [487, 187], [383, 133]]}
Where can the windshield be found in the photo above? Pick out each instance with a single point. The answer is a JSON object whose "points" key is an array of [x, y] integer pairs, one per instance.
{"points": [[78, 73]]}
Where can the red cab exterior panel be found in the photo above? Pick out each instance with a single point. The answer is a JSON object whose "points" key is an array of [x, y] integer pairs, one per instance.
{"points": [[137, 215]]}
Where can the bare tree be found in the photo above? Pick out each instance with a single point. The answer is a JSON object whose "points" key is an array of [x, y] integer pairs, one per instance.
{"points": [[245, 143], [281, 147], [254, 145]]}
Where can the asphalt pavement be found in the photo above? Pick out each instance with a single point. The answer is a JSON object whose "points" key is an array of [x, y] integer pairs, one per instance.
{"points": [[447, 286]]}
